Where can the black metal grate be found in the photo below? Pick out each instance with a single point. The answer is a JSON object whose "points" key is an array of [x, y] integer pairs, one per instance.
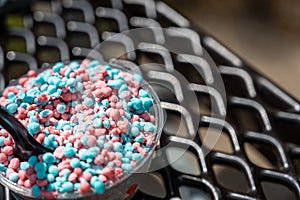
{"points": [[258, 113]]}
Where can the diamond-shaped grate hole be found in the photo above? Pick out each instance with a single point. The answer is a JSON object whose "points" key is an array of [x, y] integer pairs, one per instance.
{"points": [[190, 193], [154, 180], [257, 158], [215, 139], [183, 160], [15, 69], [246, 119], [231, 178], [275, 191], [175, 125]]}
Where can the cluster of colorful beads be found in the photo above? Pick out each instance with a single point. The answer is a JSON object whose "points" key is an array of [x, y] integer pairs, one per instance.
{"points": [[95, 117]]}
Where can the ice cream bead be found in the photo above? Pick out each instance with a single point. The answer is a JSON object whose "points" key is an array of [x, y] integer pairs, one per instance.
{"points": [[96, 119]]}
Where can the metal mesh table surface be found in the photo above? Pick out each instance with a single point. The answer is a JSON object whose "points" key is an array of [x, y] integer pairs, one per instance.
{"points": [[257, 113]]}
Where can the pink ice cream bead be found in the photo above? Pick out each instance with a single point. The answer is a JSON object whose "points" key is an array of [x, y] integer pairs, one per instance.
{"points": [[22, 175], [108, 172], [72, 177], [48, 194], [8, 142], [67, 96], [77, 144], [42, 183], [117, 163], [99, 160], [29, 171], [27, 183], [84, 187], [118, 172], [92, 140], [7, 150], [87, 176], [59, 152], [20, 182], [14, 163], [9, 171], [102, 178], [78, 171], [31, 73], [3, 157]]}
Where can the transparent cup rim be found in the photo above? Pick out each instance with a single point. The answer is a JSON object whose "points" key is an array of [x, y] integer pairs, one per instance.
{"points": [[157, 112]]}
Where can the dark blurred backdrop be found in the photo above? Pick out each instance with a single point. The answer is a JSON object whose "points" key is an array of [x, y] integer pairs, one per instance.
{"points": [[266, 33]]}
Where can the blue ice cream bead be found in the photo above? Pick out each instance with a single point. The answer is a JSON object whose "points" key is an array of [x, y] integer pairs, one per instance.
{"points": [[116, 84], [28, 99], [33, 119], [31, 113], [125, 160], [105, 103], [147, 103], [149, 127], [72, 82], [44, 113], [69, 152], [82, 154], [24, 165], [61, 108], [35, 190], [123, 88], [143, 93], [51, 89], [126, 166], [84, 139], [40, 167], [66, 172], [88, 101], [134, 131], [44, 87], [118, 147], [106, 124], [139, 139], [58, 66], [94, 179], [56, 81], [75, 162], [57, 185], [24, 105], [67, 187], [33, 128], [50, 187], [47, 142], [99, 187], [11, 95], [32, 160], [50, 178], [2, 140], [41, 174], [14, 177], [138, 78], [53, 170], [12, 108], [48, 158], [136, 156], [129, 147], [97, 123], [93, 151]]}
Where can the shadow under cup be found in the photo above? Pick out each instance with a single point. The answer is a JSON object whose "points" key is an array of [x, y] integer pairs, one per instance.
{"points": [[122, 187]]}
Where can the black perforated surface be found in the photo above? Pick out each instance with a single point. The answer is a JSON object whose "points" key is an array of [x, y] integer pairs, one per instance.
{"points": [[257, 112]]}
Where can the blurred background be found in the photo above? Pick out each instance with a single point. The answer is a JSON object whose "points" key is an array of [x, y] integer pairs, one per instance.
{"points": [[266, 33]]}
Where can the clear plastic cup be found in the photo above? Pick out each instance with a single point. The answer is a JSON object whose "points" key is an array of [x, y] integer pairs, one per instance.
{"points": [[122, 187]]}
